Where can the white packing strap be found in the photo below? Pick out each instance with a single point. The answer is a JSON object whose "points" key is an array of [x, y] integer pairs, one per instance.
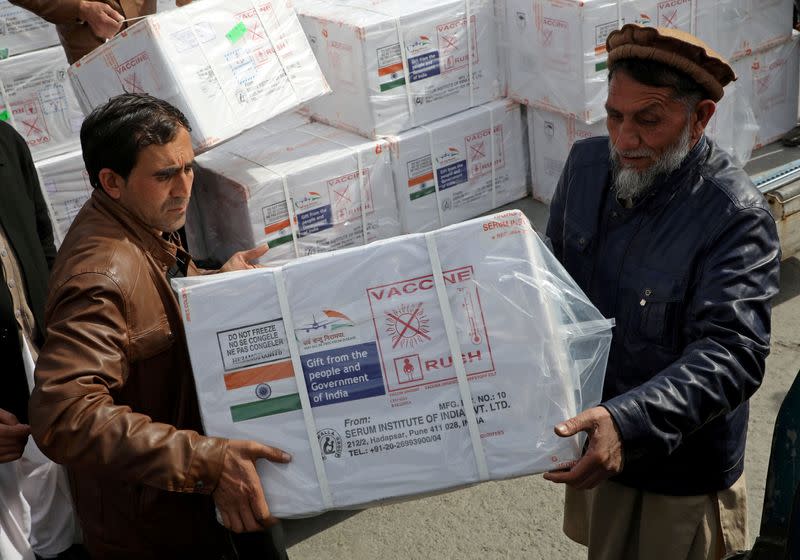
{"points": [[287, 196], [491, 140], [211, 66], [693, 17], [435, 175], [412, 115], [275, 49], [619, 15], [458, 361], [362, 193], [302, 390], [289, 210], [468, 9]]}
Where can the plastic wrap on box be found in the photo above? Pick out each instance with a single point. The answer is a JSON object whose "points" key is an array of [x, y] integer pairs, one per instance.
{"points": [[227, 64], [556, 48], [22, 31], [65, 185], [345, 360], [550, 138], [733, 126], [241, 190], [37, 99], [397, 64], [479, 164], [770, 80]]}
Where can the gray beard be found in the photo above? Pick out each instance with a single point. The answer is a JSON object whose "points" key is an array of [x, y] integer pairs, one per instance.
{"points": [[631, 184]]}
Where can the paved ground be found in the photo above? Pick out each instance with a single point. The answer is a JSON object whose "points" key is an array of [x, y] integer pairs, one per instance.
{"points": [[521, 519]]}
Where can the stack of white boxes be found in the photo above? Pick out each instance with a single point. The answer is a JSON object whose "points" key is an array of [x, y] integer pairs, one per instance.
{"points": [[301, 192], [557, 65], [37, 99]]}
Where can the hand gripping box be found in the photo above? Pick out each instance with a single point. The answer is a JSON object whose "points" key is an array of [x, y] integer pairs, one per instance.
{"points": [[65, 185], [22, 31], [345, 360], [556, 50], [770, 81], [397, 64], [479, 163], [37, 99], [227, 64], [301, 192]]}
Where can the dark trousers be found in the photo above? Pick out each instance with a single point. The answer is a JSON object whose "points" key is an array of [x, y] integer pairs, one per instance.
{"points": [[269, 544]]}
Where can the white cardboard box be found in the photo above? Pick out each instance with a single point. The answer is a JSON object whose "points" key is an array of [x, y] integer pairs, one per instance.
{"points": [[22, 31], [37, 99], [550, 138], [227, 64], [557, 57], [770, 81], [241, 187], [480, 164], [397, 64], [355, 376], [65, 185]]}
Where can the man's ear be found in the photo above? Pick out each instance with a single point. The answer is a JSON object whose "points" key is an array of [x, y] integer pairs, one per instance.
{"points": [[702, 113], [111, 182]]}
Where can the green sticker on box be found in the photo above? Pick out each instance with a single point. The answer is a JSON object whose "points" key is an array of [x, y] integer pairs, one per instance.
{"points": [[4, 116], [237, 32], [3, 54]]}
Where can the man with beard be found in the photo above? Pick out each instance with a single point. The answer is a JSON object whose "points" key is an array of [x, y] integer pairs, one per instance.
{"points": [[665, 234]]}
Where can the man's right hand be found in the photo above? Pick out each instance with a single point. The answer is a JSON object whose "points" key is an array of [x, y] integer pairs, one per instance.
{"points": [[238, 495], [13, 437], [104, 20]]}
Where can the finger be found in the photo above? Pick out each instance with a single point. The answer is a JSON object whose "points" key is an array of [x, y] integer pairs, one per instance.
{"points": [[7, 418], [255, 253], [236, 522], [258, 505], [259, 451], [16, 431], [249, 523], [580, 423], [226, 519], [575, 475], [112, 13]]}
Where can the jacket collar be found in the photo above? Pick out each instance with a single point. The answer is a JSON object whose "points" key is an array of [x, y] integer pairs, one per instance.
{"points": [[162, 250], [663, 190]]}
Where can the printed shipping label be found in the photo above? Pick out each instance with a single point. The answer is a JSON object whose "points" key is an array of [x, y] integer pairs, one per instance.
{"points": [[409, 328]]}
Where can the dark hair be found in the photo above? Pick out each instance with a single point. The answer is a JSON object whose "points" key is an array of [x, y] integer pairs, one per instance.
{"points": [[113, 134], [657, 74]]}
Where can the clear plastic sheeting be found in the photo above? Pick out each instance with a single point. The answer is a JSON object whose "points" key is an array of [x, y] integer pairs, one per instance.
{"points": [[397, 64], [22, 31], [733, 126], [345, 360], [37, 99], [66, 188], [301, 192], [227, 64], [558, 42], [478, 164], [771, 82]]}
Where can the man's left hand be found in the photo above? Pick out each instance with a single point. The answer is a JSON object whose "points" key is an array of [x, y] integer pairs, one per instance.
{"points": [[242, 259], [603, 458]]}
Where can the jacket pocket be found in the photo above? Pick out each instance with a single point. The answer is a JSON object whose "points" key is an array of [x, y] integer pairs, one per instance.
{"points": [[152, 340], [656, 305], [577, 258]]}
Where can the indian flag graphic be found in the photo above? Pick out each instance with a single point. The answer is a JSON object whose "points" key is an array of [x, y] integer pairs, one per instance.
{"points": [[262, 391]]}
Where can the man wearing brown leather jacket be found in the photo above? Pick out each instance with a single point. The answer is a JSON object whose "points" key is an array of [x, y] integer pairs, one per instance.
{"points": [[84, 25], [114, 399]]}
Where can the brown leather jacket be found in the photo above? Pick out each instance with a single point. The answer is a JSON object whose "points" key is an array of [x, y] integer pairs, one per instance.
{"points": [[76, 36], [115, 399]]}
